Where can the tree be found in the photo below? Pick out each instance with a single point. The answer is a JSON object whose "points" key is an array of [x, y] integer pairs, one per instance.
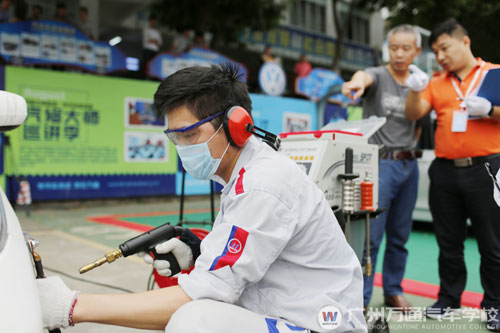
{"points": [[343, 24], [341, 27], [223, 18]]}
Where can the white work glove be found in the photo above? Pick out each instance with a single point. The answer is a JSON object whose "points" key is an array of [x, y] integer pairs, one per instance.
{"points": [[56, 300], [418, 79], [496, 192], [182, 252], [476, 106]]}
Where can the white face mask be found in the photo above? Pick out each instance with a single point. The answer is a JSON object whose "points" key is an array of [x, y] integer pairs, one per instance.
{"points": [[198, 161]]}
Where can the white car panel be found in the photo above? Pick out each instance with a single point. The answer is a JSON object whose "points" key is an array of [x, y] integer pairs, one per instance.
{"points": [[19, 304]]}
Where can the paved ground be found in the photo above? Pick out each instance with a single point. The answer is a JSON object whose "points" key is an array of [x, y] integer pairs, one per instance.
{"points": [[68, 241]]}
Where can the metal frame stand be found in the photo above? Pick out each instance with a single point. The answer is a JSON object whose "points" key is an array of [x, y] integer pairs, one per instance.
{"points": [[182, 222]]}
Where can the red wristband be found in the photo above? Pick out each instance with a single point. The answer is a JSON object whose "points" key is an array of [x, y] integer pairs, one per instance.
{"points": [[70, 317]]}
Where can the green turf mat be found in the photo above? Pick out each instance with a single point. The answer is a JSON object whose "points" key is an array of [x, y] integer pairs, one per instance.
{"points": [[422, 264]]}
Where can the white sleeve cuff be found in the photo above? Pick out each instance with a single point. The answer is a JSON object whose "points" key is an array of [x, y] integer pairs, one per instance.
{"points": [[200, 284]]}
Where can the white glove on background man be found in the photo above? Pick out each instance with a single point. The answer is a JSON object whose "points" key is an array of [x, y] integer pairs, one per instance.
{"points": [[476, 106], [56, 300], [418, 79], [496, 192], [181, 251]]}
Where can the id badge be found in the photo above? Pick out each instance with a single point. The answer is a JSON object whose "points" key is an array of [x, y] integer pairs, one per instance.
{"points": [[459, 123]]}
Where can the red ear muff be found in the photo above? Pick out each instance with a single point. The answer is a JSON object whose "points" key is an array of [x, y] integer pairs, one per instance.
{"points": [[235, 122]]}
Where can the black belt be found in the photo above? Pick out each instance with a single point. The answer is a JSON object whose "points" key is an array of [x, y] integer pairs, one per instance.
{"points": [[470, 161], [400, 154]]}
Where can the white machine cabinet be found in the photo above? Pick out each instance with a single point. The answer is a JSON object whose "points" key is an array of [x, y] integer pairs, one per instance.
{"points": [[322, 155]]}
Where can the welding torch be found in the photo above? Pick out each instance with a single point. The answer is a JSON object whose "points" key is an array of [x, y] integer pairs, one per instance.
{"points": [[145, 242]]}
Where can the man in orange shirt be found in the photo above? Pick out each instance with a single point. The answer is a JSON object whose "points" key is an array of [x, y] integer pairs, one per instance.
{"points": [[467, 136]]}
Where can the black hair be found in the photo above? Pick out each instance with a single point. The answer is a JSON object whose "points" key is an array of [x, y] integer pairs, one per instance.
{"points": [[205, 91], [84, 9], [61, 5], [449, 27]]}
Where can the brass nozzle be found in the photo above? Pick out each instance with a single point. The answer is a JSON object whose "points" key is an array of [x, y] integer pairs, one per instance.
{"points": [[109, 257], [368, 267]]}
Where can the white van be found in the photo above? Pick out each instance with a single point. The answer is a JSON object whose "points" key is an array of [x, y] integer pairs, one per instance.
{"points": [[19, 303]]}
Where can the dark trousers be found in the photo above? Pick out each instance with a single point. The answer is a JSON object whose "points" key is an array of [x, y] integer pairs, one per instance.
{"points": [[457, 194], [147, 55], [397, 194]]}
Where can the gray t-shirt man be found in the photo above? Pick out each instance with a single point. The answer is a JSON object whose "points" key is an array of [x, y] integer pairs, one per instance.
{"points": [[386, 98]]}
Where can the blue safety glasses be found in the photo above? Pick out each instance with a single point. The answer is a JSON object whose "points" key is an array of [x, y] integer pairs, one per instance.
{"points": [[189, 135]]}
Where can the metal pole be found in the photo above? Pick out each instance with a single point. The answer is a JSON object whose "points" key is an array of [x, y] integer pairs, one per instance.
{"points": [[212, 210], [181, 213]]}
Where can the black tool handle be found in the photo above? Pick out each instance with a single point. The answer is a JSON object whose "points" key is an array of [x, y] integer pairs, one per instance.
{"points": [[348, 160], [174, 264], [147, 241], [41, 275], [349, 165], [39, 269]]}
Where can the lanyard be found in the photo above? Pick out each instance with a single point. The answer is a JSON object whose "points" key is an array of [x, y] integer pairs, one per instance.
{"points": [[471, 85]]}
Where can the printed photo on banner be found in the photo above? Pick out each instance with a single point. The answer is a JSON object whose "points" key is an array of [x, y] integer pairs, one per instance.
{"points": [[30, 46], [103, 56], [50, 46], [68, 49], [10, 44], [86, 52], [145, 147], [171, 65], [296, 122], [140, 113]]}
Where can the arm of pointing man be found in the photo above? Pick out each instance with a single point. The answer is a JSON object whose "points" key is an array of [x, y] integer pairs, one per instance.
{"points": [[416, 107], [357, 85]]}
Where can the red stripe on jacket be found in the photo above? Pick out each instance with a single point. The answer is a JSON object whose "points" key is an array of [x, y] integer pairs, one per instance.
{"points": [[239, 183]]}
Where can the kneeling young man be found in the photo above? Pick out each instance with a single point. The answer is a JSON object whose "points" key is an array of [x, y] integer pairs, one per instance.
{"points": [[276, 259]]}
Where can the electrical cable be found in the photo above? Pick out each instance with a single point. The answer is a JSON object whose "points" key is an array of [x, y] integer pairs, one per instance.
{"points": [[151, 281], [87, 281]]}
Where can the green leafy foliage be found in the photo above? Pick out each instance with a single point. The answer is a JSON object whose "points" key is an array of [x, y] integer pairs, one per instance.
{"points": [[223, 18]]}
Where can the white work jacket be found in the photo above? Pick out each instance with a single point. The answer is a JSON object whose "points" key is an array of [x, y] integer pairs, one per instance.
{"points": [[276, 247]]}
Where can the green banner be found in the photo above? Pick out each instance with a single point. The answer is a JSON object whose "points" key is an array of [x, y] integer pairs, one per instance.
{"points": [[80, 124]]}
